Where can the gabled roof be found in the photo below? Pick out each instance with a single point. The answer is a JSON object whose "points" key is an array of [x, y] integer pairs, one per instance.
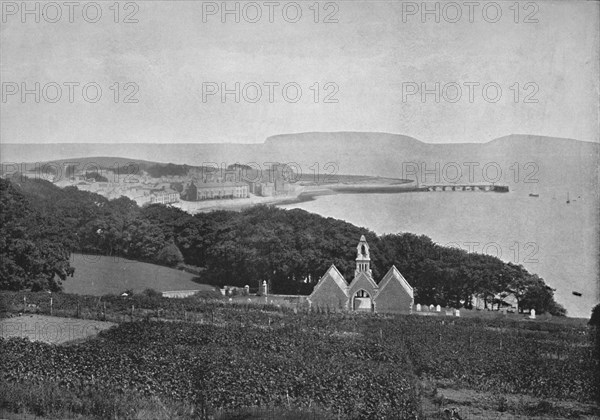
{"points": [[335, 274], [394, 275], [367, 276]]}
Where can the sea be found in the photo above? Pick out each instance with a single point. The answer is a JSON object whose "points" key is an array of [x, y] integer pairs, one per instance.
{"points": [[548, 236]]}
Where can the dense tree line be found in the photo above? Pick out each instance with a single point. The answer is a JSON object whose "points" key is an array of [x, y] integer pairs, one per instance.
{"points": [[33, 251], [290, 249], [96, 176], [170, 169]]}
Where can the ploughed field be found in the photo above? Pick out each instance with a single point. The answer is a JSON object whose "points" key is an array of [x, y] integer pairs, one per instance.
{"points": [[201, 358]]}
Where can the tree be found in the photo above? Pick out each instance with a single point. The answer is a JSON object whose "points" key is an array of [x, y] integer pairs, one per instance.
{"points": [[96, 176], [540, 297], [28, 259], [143, 240], [170, 255]]}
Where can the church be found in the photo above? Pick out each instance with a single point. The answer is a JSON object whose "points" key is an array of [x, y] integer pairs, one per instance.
{"points": [[393, 294]]}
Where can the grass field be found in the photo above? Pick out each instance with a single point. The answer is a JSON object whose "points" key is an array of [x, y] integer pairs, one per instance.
{"points": [[100, 275]]}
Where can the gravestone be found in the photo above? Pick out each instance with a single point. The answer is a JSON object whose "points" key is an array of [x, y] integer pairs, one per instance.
{"points": [[532, 314], [246, 290], [418, 307], [438, 308], [457, 313], [431, 308], [264, 288]]}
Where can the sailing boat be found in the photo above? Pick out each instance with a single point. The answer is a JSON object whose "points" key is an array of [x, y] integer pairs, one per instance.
{"points": [[534, 194], [568, 200]]}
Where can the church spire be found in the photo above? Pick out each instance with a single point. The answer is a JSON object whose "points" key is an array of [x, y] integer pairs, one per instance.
{"points": [[363, 261]]}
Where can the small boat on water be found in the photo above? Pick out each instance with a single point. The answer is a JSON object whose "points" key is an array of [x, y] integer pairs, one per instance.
{"points": [[533, 195], [568, 200]]}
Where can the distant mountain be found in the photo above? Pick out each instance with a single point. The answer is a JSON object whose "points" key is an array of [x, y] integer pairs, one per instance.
{"points": [[520, 158], [546, 159]]}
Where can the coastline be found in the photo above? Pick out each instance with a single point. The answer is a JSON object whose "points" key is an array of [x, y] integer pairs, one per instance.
{"points": [[302, 193], [238, 204], [307, 193]]}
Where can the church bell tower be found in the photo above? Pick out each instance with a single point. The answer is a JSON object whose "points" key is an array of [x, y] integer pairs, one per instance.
{"points": [[363, 261]]}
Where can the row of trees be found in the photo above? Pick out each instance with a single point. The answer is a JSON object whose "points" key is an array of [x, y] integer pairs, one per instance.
{"points": [[291, 249]]}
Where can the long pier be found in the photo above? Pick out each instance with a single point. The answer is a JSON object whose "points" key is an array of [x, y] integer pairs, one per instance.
{"points": [[309, 194], [464, 187]]}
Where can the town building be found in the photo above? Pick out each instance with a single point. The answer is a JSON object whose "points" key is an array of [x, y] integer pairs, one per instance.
{"points": [[214, 190], [393, 294], [500, 301], [166, 196], [266, 189]]}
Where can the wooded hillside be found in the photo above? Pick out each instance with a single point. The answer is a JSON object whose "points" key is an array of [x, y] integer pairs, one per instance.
{"points": [[42, 224]]}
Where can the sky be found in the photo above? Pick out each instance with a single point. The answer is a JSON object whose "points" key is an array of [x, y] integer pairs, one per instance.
{"points": [[162, 67]]}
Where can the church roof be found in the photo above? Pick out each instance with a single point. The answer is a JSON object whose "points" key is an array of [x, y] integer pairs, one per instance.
{"points": [[335, 274], [394, 275], [367, 276]]}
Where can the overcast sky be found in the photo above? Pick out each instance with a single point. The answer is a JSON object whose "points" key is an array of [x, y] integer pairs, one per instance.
{"points": [[369, 57]]}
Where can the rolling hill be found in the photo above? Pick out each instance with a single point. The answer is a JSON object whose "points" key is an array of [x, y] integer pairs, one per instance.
{"points": [[99, 275]]}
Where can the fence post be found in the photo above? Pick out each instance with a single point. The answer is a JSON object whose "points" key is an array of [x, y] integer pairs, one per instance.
{"points": [[50, 306], [132, 308]]}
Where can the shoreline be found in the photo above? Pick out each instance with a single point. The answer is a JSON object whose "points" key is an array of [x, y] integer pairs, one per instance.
{"points": [[310, 194]]}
